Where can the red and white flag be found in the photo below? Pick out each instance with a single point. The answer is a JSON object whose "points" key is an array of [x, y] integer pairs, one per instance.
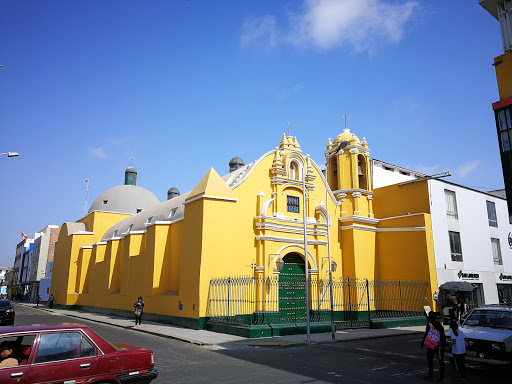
{"points": [[23, 235]]}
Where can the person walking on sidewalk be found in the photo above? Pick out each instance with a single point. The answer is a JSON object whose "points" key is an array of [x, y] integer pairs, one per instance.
{"points": [[458, 349], [139, 309], [435, 340], [51, 300], [38, 299]]}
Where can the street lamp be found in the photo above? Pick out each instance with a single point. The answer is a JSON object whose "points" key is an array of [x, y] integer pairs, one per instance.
{"points": [[10, 154]]}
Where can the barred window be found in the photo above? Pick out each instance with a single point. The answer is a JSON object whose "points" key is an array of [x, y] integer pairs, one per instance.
{"points": [[292, 204], [451, 204], [491, 214], [455, 246], [496, 251]]}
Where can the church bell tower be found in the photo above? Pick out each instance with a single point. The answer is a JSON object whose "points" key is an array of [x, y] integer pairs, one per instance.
{"points": [[348, 173]]}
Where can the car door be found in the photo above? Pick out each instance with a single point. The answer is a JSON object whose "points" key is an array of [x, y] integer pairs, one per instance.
{"points": [[21, 346], [62, 356], [15, 375]]}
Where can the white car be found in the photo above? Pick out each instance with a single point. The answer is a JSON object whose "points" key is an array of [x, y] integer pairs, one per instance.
{"points": [[488, 333]]}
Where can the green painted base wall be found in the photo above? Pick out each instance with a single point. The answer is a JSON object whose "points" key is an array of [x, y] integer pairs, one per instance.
{"points": [[398, 322]]}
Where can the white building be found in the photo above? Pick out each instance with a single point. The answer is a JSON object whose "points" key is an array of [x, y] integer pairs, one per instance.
{"points": [[471, 231], [41, 253], [3, 285]]}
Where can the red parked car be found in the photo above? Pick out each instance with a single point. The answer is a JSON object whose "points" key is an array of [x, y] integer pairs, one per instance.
{"points": [[72, 353]]}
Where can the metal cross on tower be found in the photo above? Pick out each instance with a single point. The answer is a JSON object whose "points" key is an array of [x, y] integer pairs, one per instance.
{"points": [[346, 118]]}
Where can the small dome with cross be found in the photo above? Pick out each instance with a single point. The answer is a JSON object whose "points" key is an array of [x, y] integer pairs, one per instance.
{"points": [[346, 135]]}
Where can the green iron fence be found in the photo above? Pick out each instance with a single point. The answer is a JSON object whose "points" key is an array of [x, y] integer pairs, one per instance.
{"points": [[245, 300]]}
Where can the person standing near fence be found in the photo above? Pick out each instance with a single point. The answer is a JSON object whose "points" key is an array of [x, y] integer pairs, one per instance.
{"points": [[435, 340], [139, 309]]}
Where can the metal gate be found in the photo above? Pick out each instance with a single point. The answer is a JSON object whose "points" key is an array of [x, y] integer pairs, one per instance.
{"points": [[292, 290]]}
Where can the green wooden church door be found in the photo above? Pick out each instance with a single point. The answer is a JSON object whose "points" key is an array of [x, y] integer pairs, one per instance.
{"points": [[292, 290]]}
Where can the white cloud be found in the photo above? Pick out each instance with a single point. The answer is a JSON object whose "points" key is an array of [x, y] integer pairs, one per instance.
{"points": [[361, 24], [466, 169], [262, 29], [98, 153]]}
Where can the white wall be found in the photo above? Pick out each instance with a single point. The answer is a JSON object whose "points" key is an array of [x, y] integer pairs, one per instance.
{"points": [[382, 177], [475, 236]]}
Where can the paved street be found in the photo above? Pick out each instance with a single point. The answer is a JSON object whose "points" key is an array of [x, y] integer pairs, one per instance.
{"points": [[383, 360]]}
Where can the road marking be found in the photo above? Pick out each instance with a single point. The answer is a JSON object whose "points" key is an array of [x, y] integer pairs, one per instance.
{"points": [[412, 373], [381, 367], [415, 340], [391, 353]]}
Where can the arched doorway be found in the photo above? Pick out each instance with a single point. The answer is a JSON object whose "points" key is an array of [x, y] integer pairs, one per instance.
{"points": [[292, 289]]}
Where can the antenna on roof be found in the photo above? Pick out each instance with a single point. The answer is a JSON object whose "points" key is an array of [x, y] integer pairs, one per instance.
{"points": [[86, 194], [131, 158], [288, 128]]}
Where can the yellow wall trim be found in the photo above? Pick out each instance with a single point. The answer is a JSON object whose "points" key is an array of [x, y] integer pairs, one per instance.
{"points": [[359, 219], [399, 217], [289, 229], [81, 233], [210, 197], [288, 240], [403, 229], [358, 227]]}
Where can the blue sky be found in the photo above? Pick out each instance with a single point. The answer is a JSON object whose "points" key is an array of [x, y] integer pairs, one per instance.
{"points": [[182, 86]]}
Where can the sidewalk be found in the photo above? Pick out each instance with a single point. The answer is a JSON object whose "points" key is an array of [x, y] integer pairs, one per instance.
{"points": [[203, 337]]}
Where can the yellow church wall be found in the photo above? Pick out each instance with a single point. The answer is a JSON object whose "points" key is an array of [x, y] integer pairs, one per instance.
{"points": [[98, 222], [220, 251], [67, 251], [67, 267], [98, 280], [400, 200], [404, 211], [364, 254], [131, 247], [113, 258], [190, 263], [175, 239], [407, 253], [159, 247], [84, 258]]}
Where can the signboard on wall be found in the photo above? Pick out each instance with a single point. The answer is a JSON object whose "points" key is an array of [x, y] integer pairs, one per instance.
{"points": [[468, 276], [503, 278]]}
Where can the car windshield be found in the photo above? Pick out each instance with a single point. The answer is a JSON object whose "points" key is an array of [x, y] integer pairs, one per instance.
{"points": [[490, 318], [5, 303]]}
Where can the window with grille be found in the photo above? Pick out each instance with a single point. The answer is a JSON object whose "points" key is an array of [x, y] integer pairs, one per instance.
{"points": [[292, 204], [455, 246], [491, 214], [451, 204], [496, 251]]}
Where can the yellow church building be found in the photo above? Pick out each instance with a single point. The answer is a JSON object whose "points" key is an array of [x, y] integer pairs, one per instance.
{"points": [[230, 255]]}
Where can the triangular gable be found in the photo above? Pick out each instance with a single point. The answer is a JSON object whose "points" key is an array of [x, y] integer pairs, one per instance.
{"points": [[212, 185]]}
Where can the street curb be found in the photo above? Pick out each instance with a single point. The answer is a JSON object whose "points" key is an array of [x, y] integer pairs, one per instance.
{"points": [[121, 326], [143, 331], [301, 343], [259, 344]]}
